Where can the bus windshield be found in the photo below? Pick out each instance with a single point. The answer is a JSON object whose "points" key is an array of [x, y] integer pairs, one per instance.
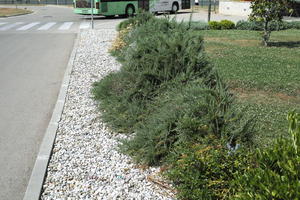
{"points": [[83, 3]]}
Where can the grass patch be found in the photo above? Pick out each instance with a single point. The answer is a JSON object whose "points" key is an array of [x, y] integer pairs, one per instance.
{"points": [[265, 80], [7, 12]]}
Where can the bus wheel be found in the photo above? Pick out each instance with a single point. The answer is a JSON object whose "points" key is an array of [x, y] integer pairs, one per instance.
{"points": [[129, 11], [175, 7], [109, 16]]}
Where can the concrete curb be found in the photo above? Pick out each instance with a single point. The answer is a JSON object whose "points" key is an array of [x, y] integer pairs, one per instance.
{"points": [[16, 15], [35, 184]]}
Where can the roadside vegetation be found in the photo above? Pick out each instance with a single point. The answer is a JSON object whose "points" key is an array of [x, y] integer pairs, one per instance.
{"points": [[7, 12], [209, 106]]}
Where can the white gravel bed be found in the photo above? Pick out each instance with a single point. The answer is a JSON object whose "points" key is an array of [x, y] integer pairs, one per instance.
{"points": [[85, 163]]}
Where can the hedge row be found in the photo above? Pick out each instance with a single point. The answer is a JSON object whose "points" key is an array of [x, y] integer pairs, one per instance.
{"points": [[242, 25]]}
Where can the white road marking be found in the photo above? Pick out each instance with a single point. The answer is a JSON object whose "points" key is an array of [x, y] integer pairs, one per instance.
{"points": [[9, 26], [28, 26], [65, 26], [84, 25], [46, 26], [2, 23]]}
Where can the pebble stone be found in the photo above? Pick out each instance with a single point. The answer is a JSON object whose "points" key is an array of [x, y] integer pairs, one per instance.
{"points": [[85, 163]]}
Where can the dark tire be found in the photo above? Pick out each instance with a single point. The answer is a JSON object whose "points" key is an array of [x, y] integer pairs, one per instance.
{"points": [[175, 8], [130, 11], [109, 16]]}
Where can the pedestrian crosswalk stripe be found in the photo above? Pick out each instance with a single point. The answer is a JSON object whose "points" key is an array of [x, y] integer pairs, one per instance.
{"points": [[2, 23], [9, 26], [28, 26], [65, 26], [46, 26], [84, 25]]}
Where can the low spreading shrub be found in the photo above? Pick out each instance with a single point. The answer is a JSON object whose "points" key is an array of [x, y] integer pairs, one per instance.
{"points": [[140, 18], [202, 171], [214, 25], [196, 25], [178, 108], [223, 24], [276, 174], [186, 113], [274, 26], [293, 25], [227, 24], [151, 58], [114, 93]]}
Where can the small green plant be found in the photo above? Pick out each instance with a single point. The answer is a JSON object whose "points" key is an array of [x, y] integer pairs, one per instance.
{"points": [[141, 18], [248, 25], [227, 24], [195, 25], [205, 171], [266, 11], [273, 26], [294, 24], [223, 24], [277, 171], [214, 25]]}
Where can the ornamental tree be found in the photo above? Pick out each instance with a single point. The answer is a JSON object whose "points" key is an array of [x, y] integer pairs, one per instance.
{"points": [[266, 11]]}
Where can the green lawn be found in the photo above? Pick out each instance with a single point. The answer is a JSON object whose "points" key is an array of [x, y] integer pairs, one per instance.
{"points": [[266, 80]]}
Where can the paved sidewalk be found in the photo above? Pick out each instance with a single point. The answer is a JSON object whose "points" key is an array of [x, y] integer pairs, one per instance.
{"points": [[203, 16]]}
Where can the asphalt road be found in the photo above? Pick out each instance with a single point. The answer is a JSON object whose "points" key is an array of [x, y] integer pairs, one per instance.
{"points": [[32, 64], [31, 70]]}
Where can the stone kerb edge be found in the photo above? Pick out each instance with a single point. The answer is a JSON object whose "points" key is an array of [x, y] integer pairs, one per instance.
{"points": [[35, 184]]}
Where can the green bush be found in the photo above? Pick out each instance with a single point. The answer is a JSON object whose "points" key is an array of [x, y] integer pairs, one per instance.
{"points": [[274, 26], [141, 18], [293, 25], [171, 98], [114, 92], [227, 24], [186, 113], [201, 171], [214, 25], [277, 171], [223, 24], [196, 25], [151, 58]]}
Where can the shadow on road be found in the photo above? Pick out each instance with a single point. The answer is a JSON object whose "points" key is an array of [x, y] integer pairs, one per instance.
{"points": [[97, 17]]}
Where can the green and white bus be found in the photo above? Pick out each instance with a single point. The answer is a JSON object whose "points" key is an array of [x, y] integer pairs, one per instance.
{"points": [[129, 7]]}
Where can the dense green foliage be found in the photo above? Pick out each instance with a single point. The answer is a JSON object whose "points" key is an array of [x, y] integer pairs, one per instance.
{"points": [[167, 92], [227, 24], [276, 172], [188, 113], [223, 24], [266, 11], [273, 26], [196, 25], [181, 112], [201, 171], [214, 25], [141, 18]]}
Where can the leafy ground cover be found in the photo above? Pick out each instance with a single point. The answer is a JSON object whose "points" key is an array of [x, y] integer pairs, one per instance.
{"points": [[6, 12], [266, 80]]}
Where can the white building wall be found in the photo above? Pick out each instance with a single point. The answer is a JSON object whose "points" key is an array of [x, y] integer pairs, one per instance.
{"points": [[234, 8]]}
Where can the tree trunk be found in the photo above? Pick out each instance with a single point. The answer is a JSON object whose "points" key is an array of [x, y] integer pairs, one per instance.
{"points": [[266, 34]]}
